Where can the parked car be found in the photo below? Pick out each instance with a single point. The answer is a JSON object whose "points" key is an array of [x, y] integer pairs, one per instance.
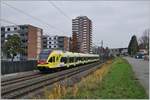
{"points": [[139, 56]]}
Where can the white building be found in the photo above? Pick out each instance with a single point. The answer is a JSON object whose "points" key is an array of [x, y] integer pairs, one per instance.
{"points": [[56, 42]]}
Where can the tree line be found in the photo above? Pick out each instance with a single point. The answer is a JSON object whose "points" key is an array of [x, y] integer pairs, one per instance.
{"points": [[13, 45], [134, 46]]}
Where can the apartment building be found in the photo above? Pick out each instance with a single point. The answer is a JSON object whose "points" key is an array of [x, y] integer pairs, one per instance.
{"points": [[56, 42], [74, 43], [82, 30], [30, 36]]}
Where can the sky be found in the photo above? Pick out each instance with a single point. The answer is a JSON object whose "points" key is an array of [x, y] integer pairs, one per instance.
{"points": [[114, 22]]}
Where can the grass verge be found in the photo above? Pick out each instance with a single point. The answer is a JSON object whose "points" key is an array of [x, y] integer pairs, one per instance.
{"points": [[115, 79]]}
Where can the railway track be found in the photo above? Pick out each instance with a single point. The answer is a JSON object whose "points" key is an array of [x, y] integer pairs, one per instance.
{"points": [[18, 76], [28, 77], [19, 87]]}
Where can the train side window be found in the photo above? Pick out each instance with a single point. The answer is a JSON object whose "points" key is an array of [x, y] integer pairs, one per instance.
{"points": [[50, 60], [71, 59], [53, 59], [75, 59], [82, 59], [57, 58], [78, 58], [64, 59]]}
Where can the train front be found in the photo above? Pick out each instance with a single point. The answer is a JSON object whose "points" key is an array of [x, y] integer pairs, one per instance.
{"points": [[43, 64]]}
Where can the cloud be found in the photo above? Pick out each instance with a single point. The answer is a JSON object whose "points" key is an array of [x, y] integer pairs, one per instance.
{"points": [[114, 22]]}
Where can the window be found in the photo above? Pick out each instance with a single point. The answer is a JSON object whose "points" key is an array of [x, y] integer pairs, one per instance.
{"points": [[63, 59], [22, 28], [71, 59], [15, 28], [2, 29], [82, 59], [53, 59], [43, 56], [23, 40], [22, 34], [50, 60], [8, 29], [39, 33], [79, 58], [76, 59], [57, 58], [38, 45]]}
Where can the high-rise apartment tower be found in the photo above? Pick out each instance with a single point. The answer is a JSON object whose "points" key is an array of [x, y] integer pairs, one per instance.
{"points": [[82, 29]]}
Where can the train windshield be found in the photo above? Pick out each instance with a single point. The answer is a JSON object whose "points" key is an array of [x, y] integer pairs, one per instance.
{"points": [[44, 55]]}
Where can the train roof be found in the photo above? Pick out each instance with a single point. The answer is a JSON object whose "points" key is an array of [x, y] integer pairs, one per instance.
{"points": [[72, 54]]}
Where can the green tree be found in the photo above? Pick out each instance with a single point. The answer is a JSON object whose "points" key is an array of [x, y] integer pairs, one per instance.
{"points": [[12, 46], [133, 46]]}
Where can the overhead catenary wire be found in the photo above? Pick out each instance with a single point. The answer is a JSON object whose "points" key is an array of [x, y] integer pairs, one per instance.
{"points": [[10, 22], [7, 21], [33, 17], [62, 12]]}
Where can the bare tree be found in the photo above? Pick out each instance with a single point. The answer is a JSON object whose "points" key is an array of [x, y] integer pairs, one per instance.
{"points": [[144, 40]]}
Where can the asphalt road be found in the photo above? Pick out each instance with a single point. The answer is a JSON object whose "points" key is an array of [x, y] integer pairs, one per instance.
{"points": [[141, 70]]}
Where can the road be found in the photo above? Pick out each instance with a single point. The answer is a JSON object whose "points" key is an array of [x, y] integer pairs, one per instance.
{"points": [[141, 70]]}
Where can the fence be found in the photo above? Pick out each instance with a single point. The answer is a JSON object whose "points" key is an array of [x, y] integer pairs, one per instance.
{"points": [[8, 67]]}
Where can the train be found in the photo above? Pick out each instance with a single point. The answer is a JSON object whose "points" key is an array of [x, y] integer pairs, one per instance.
{"points": [[49, 60]]}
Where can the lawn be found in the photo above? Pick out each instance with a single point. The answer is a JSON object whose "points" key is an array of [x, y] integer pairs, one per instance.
{"points": [[114, 80]]}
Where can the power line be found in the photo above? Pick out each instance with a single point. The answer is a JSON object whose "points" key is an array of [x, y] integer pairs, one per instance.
{"points": [[7, 21], [37, 19], [60, 10], [10, 22]]}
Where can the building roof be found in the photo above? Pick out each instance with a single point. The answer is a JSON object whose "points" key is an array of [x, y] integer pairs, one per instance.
{"points": [[21, 25]]}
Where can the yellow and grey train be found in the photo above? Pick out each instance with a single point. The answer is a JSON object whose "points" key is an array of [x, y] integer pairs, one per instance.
{"points": [[54, 59]]}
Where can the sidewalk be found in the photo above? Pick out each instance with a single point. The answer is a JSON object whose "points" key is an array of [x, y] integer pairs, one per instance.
{"points": [[141, 70]]}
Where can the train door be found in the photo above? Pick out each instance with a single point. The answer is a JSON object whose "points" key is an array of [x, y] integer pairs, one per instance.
{"points": [[57, 59], [52, 62], [67, 61]]}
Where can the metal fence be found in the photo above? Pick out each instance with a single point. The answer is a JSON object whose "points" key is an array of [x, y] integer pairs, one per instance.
{"points": [[8, 67]]}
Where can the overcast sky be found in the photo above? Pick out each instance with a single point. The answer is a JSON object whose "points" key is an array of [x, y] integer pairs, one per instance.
{"points": [[114, 22]]}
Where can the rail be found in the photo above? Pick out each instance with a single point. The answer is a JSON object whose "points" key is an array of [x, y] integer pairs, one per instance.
{"points": [[22, 86]]}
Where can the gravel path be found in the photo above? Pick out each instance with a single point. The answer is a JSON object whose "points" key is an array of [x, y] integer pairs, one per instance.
{"points": [[141, 70]]}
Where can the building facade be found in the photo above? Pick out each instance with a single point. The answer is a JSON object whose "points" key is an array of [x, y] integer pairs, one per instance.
{"points": [[70, 44], [119, 51], [82, 30], [74, 43], [56, 42], [31, 38]]}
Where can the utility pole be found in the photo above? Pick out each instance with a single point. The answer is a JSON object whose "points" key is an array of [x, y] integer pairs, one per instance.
{"points": [[101, 52], [102, 43]]}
